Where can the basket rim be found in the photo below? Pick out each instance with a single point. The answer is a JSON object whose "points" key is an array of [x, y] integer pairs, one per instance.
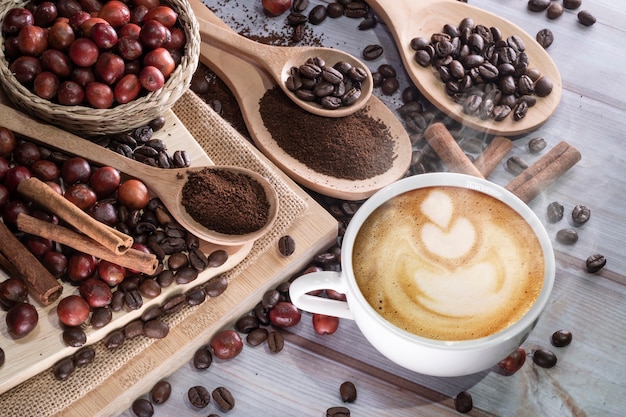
{"points": [[159, 101]]}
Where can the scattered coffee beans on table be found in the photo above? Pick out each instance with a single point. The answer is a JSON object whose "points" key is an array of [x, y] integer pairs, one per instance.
{"points": [[463, 402], [561, 338]]}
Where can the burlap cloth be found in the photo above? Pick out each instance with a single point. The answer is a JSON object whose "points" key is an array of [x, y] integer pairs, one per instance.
{"points": [[43, 395]]}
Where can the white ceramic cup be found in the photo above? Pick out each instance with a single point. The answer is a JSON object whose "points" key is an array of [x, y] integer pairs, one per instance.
{"points": [[416, 353]]}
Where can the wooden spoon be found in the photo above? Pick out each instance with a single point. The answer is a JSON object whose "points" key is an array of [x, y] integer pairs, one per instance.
{"points": [[408, 19], [279, 60], [249, 83], [167, 184]]}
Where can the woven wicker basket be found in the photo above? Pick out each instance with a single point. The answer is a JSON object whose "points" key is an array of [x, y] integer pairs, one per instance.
{"points": [[87, 121]]}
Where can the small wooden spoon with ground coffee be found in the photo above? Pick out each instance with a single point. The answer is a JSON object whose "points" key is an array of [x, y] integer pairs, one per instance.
{"points": [[177, 188]]}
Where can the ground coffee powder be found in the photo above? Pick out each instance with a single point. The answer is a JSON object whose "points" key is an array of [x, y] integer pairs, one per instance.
{"points": [[225, 201], [354, 147]]}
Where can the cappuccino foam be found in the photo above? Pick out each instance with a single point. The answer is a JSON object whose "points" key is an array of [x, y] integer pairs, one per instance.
{"points": [[448, 263]]}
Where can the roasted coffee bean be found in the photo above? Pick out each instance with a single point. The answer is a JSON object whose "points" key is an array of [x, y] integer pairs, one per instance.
{"points": [[223, 398], [117, 300], [114, 340], [330, 102], [317, 14], [335, 10], [2, 357], [520, 110], [555, 212], [270, 299], [198, 260], [594, 263], [149, 288], [543, 86], [133, 299], [196, 296], [536, 144], [156, 329], [347, 391], [257, 336], [133, 329], [390, 86], [545, 37], [217, 258], [74, 337], [173, 304], [369, 22], [586, 18], [161, 392], [165, 278], [84, 356], [372, 52], [355, 10], [581, 214], [63, 368], [463, 402], [202, 358], [516, 165], [181, 159], [151, 313], [332, 75], [142, 408], [338, 412], [262, 314], [567, 236], [538, 5], [544, 358], [275, 341], [323, 89], [143, 134], [246, 324], [199, 396], [185, 275], [501, 112], [572, 4], [357, 74], [296, 19], [555, 10], [157, 123], [561, 338], [299, 5], [100, 317], [351, 96], [216, 286]]}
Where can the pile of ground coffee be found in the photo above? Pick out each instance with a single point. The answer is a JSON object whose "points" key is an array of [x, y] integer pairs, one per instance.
{"points": [[226, 202], [355, 147]]}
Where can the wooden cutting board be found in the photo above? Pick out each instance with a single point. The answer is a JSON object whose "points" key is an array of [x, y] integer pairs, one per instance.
{"points": [[314, 229], [44, 346]]}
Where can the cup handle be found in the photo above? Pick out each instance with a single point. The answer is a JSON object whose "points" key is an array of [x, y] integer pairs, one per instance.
{"points": [[324, 280]]}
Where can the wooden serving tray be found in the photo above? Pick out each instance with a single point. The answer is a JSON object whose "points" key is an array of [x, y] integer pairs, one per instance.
{"points": [[43, 347]]}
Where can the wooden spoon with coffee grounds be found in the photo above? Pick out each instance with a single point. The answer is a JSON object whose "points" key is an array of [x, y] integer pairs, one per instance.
{"points": [[409, 19], [249, 83], [279, 61], [167, 184]]}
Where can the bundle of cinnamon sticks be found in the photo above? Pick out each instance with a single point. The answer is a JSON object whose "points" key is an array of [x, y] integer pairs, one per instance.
{"points": [[527, 185], [91, 237]]}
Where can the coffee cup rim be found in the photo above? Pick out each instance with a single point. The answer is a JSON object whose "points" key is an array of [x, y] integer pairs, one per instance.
{"points": [[526, 323]]}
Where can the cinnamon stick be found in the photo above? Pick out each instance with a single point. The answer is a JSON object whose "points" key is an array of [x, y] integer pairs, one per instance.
{"points": [[545, 171], [132, 258], [491, 156], [41, 285], [443, 143], [40, 193]]}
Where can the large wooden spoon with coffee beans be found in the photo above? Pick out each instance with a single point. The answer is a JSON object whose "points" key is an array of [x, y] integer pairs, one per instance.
{"points": [[410, 19]]}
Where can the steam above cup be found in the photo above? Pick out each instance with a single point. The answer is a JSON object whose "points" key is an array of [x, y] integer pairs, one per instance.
{"points": [[445, 274]]}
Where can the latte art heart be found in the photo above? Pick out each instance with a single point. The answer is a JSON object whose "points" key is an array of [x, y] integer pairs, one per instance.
{"points": [[433, 267], [454, 242]]}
